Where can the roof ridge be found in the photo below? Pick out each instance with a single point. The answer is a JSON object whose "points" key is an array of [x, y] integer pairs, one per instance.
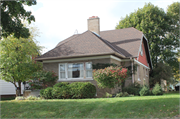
{"points": [[121, 29], [108, 44]]}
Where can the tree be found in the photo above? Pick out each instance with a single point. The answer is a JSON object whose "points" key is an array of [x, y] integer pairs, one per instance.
{"points": [[161, 30], [16, 63], [162, 71], [12, 12]]}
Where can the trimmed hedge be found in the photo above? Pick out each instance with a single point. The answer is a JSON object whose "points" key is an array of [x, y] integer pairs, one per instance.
{"points": [[61, 92], [48, 93], [60, 84], [64, 90], [82, 90]]}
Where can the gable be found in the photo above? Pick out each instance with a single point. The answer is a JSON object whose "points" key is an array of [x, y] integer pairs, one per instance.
{"points": [[143, 58]]}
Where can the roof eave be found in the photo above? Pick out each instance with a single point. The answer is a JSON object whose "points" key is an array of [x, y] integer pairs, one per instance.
{"points": [[77, 56]]}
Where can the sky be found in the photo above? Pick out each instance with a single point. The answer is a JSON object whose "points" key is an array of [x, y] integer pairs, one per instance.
{"points": [[60, 19]]}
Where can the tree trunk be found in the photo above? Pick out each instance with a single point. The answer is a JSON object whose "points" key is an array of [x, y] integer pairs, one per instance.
{"points": [[18, 90]]}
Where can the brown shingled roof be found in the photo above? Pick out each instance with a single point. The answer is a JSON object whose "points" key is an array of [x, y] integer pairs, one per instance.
{"points": [[125, 42]]}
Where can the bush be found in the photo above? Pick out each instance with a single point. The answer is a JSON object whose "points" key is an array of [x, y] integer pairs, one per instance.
{"points": [[144, 91], [125, 94], [20, 98], [48, 93], [43, 79], [61, 92], [119, 94], [107, 95], [110, 77], [80, 90], [42, 92], [157, 90], [60, 84], [133, 89]]}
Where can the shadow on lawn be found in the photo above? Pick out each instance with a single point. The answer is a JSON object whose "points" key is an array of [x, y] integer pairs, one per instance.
{"points": [[134, 107]]}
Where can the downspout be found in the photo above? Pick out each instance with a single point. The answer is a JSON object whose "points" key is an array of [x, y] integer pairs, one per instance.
{"points": [[132, 61]]}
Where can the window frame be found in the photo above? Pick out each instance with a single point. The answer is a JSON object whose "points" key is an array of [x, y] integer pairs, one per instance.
{"points": [[74, 79]]}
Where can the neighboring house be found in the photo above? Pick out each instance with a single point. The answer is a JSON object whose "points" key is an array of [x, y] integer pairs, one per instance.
{"points": [[73, 57]]}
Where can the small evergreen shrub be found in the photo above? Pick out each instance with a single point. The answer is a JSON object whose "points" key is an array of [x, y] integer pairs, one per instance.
{"points": [[157, 90], [144, 91], [61, 92], [107, 95], [119, 94], [132, 89], [80, 90], [60, 84], [125, 94], [42, 92], [48, 93]]}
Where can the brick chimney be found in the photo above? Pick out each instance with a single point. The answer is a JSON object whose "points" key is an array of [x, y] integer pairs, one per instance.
{"points": [[93, 24]]}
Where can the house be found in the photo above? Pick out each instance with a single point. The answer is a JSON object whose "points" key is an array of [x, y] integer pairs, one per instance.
{"points": [[73, 57]]}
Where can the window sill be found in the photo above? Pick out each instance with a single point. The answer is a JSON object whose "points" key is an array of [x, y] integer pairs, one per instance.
{"points": [[87, 79]]}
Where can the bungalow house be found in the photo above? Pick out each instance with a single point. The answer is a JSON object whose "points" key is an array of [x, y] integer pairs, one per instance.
{"points": [[72, 58]]}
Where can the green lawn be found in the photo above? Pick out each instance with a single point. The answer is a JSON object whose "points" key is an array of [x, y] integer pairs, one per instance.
{"points": [[123, 107]]}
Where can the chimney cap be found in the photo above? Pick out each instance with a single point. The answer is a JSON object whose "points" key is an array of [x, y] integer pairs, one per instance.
{"points": [[93, 17]]}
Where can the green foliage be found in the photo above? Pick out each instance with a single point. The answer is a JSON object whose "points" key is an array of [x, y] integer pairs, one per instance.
{"points": [[48, 93], [125, 94], [42, 92], [133, 89], [161, 30], [157, 90], [144, 91], [103, 65], [107, 95], [110, 76], [19, 98], [31, 98], [16, 63], [162, 71], [82, 90], [12, 13], [62, 92], [60, 84], [119, 94], [42, 79]]}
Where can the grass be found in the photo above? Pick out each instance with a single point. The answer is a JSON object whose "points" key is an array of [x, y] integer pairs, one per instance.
{"points": [[166, 105]]}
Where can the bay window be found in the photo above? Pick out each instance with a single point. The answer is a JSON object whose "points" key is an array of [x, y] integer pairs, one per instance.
{"points": [[72, 71]]}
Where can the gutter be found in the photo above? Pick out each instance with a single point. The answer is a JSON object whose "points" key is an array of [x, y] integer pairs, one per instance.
{"points": [[77, 56]]}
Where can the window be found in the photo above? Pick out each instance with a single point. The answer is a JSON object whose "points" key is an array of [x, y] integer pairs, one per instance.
{"points": [[138, 72], [88, 69], [75, 70], [141, 50]]}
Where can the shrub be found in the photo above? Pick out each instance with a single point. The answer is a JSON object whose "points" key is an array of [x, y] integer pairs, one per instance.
{"points": [[125, 94], [107, 95], [43, 79], [110, 76], [119, 94], [144, 91], [157, 90], [60, 84], [133, 89], [82, 90], [42, 92], [48, 93], [61, 92]]}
